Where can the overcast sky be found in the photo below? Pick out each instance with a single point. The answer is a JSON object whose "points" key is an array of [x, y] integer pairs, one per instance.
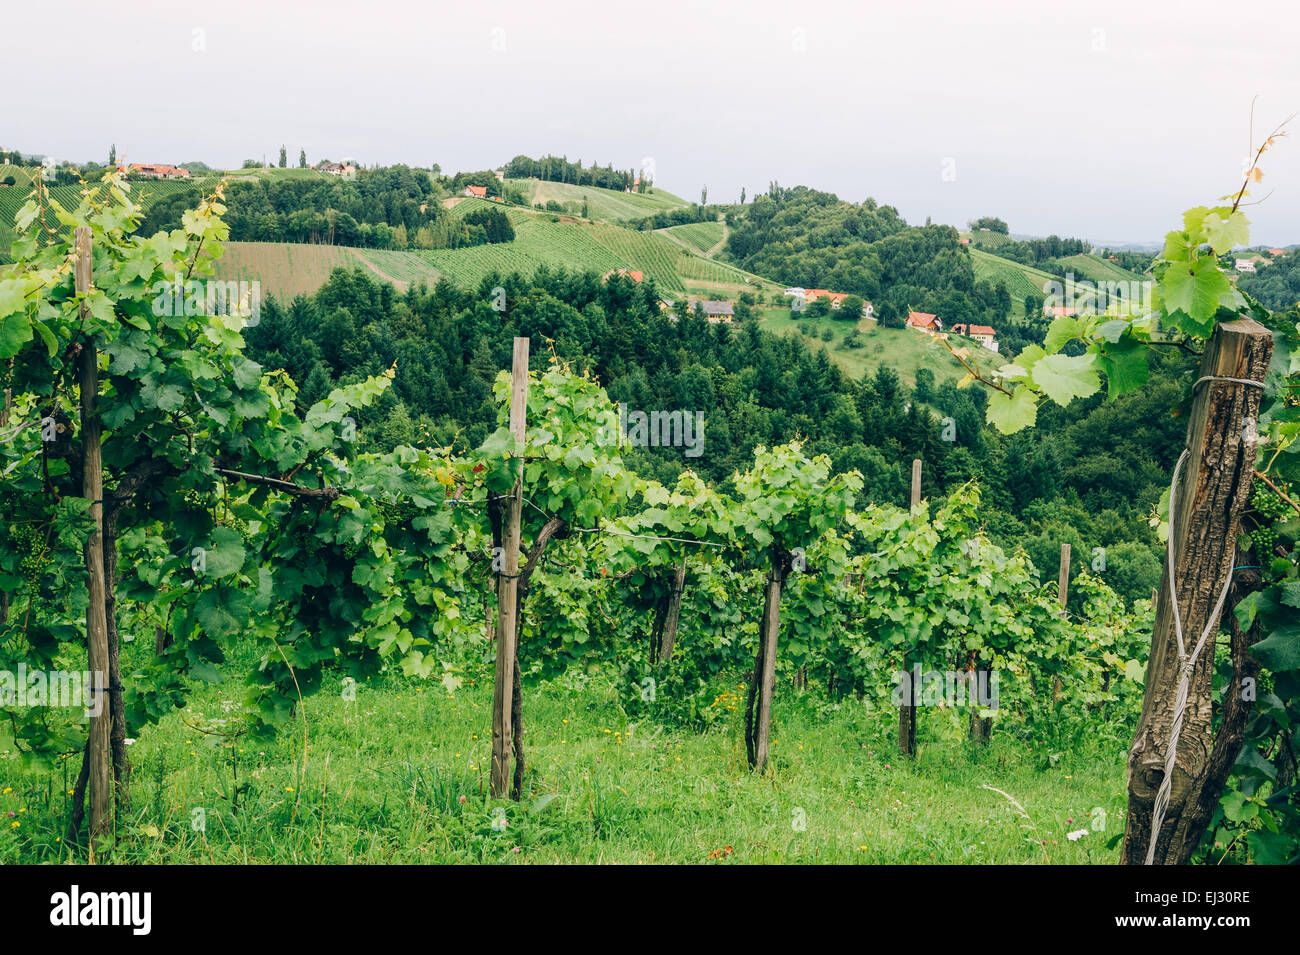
{"points": [[1104, 122]]}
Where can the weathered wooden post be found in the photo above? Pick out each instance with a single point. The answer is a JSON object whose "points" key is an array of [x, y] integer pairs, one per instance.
{"points": [[907, 707], [1211, 488], [508, 581], [771, 630], [98, 748], [668, 638], [1063, 596]]}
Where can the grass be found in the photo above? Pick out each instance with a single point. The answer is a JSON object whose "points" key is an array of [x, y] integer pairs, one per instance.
{"points": [[400, 775], [285, 269], [903, 349], [602, 204]]}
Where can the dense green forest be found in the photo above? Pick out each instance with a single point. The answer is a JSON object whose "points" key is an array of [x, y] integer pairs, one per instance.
{"points": [[1277, 286], [1089, 476]]}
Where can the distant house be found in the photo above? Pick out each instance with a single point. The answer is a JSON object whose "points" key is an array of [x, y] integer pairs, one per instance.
{"points": [[155, 170], [1276, 252], [813, 294], [1059, 311], [983, 334], [964, 241], [713, 311], [476, 192], [930, 324], [346, 170], [1245, 265], [636, 275], [500, 174], [810, 295]]}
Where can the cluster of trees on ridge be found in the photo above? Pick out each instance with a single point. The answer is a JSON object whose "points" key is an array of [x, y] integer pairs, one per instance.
{"points": [[559, 169], [393, 207]]}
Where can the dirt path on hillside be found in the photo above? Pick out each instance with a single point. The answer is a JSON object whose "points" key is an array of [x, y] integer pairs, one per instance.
{"points": [[721, 242]]}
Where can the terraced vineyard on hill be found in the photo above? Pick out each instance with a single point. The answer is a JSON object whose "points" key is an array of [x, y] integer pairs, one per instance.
{"points": [[604, 204], [1020, 280], [701, 236], [1096, 269]]}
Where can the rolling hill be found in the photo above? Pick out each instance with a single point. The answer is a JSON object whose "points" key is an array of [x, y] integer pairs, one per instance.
{"points": [[702, 237], [603, 204], [540, 239], [903, 349], [1021, 280]]}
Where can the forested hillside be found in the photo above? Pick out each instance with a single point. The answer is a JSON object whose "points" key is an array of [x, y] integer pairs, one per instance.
{"points": [[1090, 477]]}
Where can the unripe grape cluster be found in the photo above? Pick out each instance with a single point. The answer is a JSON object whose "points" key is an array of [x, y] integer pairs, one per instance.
{"points": [[1270, 510]]}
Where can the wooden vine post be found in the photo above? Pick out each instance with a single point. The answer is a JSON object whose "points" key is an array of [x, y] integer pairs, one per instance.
{"points": [[907, 708], [1213, 490], [508, 582], [758, 729], [1063, 596], [98, 747], [672, 615]]}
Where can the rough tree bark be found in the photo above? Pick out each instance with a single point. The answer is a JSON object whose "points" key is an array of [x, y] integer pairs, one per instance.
{"points": [[99, 748], [758, 709], [1207, 788], [672, 615], [1214, 488]]}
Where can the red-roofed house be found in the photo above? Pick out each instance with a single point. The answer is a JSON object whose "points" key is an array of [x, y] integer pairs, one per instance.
{"points": [[811, 295], [983, 334], [1276, 252], [930, 324], [636, 275], [476, 192], [1057, 311], [155, 170]]}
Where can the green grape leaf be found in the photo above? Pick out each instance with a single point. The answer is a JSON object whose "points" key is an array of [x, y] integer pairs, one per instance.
{"points": [[1192, 292], [1280, 650], [1063, 328], [1011, 413], [1065, 377], [1225, 232], [1125, 365]]}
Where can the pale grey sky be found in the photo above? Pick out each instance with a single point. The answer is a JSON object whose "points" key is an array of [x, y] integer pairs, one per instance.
{"points": [[1103, 122]]}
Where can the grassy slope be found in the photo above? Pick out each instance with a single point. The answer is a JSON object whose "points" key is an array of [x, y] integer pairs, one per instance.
{"points": [[606, 204], [903, 349], [285, 270], [1021, 280], [385, 775], [584, 244], [1097, 269]]}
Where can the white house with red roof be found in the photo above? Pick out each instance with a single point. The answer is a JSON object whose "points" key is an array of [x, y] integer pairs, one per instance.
{"points": [[924, 321], [982, 334]]}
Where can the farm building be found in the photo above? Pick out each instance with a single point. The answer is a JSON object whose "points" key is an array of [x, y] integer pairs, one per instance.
{"points": [[983, 334], [476, 192], [155, 170], [1058, 311], [713, 311], [808, 295], [337, 168], [636, 275], [1245, 265], [924, 321]]}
